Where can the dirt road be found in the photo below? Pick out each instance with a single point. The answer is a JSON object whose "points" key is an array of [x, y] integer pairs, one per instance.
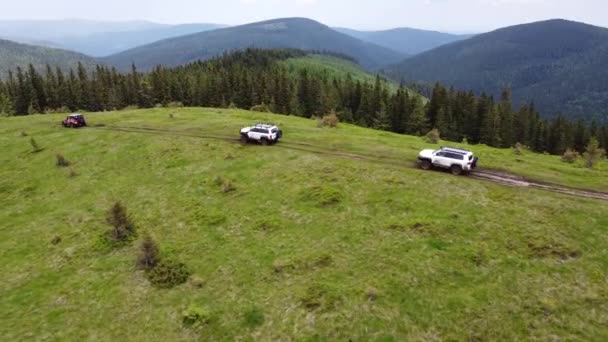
{"points": [[494, 176]]}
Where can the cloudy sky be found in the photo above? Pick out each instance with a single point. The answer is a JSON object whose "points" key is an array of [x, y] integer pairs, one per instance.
{"points": [[447, 15]]}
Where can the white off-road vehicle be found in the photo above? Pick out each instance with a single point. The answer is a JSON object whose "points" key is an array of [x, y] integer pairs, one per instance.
{"points": [[265, 134], [457, 160]]}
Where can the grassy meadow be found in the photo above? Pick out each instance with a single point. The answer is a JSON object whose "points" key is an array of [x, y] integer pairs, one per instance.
{"points": [[313, 242]]}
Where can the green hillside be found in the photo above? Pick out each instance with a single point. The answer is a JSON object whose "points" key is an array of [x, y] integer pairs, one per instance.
{"points": [[332, 234], [333, 68], [13, 55], [558, 64], [295, 33]]}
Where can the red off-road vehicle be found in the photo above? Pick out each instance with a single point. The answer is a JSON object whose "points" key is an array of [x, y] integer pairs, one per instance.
{"points": [[74, 121]]}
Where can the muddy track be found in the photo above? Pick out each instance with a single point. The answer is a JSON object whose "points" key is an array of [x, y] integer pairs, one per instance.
{"points": [[494, 176]]}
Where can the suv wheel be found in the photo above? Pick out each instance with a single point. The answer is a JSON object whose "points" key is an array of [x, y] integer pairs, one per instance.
{"points": [[456, 170], [425, 165], [244, 139], [264, 141]]}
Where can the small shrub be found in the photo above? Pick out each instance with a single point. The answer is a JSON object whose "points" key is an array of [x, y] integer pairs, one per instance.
{"points": [[330, 120], [229, 156], [433, 136], [593, 153], [56, 240], [72, 173], [519, 149], [227, 186], [261, 108], [319, 297], [35, 147], [232, 105], [171, 116], [195, 317], [61, 161], [168, 273], [371, 293], [324, 196], [570, 156], [149, 254], [197, 282], [23, 134], [253, 317], [118, 218], [218, 180]]}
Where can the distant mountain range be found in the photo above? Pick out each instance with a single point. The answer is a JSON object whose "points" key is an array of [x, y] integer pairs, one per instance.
{"points": [[297, 33], [13, 55], [408, 41], [95, 38], [561, 65]]}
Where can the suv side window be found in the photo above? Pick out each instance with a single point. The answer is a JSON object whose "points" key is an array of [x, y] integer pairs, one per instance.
{"points": [[265, 131], [455, 156]]}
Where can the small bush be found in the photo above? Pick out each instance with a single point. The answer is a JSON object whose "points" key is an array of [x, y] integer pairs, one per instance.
{"points": [[35, 147], [23, 134], [232, 105], [56, 240], [519, 149], [167, 274], [195, 317], [330, 120], [227, 186], [229, 156], [149, 254], [570, 156], [323, 195], [72, 173], [433, 136], [197, 282], [61, 161], [253, 317], [371, 293], [171, 116], [218, 180], [118, 218], [319, 297], [261, 108], [593, 153]]}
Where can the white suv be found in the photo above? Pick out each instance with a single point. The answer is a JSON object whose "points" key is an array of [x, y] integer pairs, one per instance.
{"points": [[264, 133], [455, 159]]}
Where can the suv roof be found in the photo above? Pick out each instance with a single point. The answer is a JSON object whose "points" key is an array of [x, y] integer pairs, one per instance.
{"points": [[263, 125], [456, 150]]}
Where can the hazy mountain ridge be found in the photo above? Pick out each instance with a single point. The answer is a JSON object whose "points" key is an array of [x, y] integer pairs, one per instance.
{"points": [[297, 33], [560, 65], [405, 40], [95, 38], [13, 55]]}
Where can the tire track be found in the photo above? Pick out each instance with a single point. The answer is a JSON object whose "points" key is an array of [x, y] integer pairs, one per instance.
{"points": [[494, 176]]}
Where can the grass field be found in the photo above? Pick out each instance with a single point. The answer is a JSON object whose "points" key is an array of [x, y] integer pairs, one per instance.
{"points": [[313, 243]]}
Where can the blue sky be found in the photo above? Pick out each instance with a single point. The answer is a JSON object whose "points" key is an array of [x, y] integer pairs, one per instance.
{"points": [[446, 15]]}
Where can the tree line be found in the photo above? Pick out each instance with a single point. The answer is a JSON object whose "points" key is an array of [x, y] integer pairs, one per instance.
{"points": [[253, 77]]}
